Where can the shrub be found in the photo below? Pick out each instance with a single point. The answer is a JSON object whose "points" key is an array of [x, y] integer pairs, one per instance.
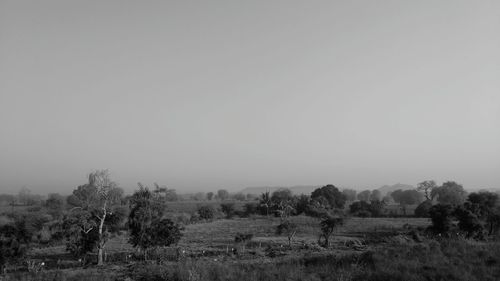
{"points": [[251, 209], [227, 209], [441, 216], [206, 212]]}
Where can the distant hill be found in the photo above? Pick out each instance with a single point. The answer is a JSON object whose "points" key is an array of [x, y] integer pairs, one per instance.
{"points": [[386, 189], [298, 189]]}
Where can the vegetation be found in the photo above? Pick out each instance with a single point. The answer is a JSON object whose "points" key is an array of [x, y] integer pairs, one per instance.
{"points": [[154, 235]]}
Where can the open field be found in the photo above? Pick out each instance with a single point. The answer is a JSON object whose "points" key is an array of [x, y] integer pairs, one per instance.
{"points": [[396, 256]]}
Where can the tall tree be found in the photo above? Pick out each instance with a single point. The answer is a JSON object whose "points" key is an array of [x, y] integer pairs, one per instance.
{"points": [[222, 194], [265, 201], [146, 226], [376, 195], [350, 194], [449, 192], [210, 195], [97, 197], [330, 194], [364, 195]]}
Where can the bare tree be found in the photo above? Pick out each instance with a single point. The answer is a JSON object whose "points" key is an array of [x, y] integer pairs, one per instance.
{"points": [[427, 187]]}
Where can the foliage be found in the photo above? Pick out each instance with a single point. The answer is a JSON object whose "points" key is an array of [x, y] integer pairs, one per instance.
{"points": [[364, 195], [302, 203], [228, 209], [222, 194], [375, 195], [287, 228], [469, 222], [165, 194], [265, 202], [328, 225], [427, 187], [365, 209], [146, 207], [55, 205], [422, 210], [239, 197], [250, 208], [242, 237], [406, 197], [163, 232], [210, 195], [478, 216], [97, 198], [441, 216], [350, 194], [206, 212], [14, 241], [449, 193], [331, 194], [282, 202], [80, 230]]}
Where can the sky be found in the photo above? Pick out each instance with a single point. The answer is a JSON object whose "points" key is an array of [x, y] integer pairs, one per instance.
{"points": [[203, 95]]}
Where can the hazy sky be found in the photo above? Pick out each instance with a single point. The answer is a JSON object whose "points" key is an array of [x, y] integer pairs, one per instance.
{"points": [[201, 95]]}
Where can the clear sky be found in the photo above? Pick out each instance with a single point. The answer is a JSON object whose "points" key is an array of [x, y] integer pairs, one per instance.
{"points": [[201, 95]]}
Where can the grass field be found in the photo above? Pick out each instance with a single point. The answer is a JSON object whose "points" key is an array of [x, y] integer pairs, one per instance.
{"points": [[398, 257]]}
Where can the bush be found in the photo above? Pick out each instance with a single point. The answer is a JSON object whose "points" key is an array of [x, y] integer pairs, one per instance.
{"points": [[206, 212], [227, 209], [251, 209], [441, 216]]}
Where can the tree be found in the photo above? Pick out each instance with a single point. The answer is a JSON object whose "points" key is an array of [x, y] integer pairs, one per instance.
{"points": [[289, 229], [55, 205], [302, 203], [79, 228], [479, 214], [222, 194], [281, 195], [206, 212], [239, 197], [364, 195], [364, 209], [406, 197], [469, 222], [164, 232], [160, 233], [359, 208], [97, 197], [397, 195], [199, 196], [227, 209], [427, 187], [422, 210], [350, 194], [146, 209], [165, 193], [265, 201], [14, 242], [282, 202], [449, 192], [328, 225], [375, 195], [210, 195], [331, 194], [441, 216]]}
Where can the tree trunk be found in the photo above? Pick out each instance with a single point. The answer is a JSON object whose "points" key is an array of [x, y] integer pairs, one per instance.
{"points": [[100, 252]]}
